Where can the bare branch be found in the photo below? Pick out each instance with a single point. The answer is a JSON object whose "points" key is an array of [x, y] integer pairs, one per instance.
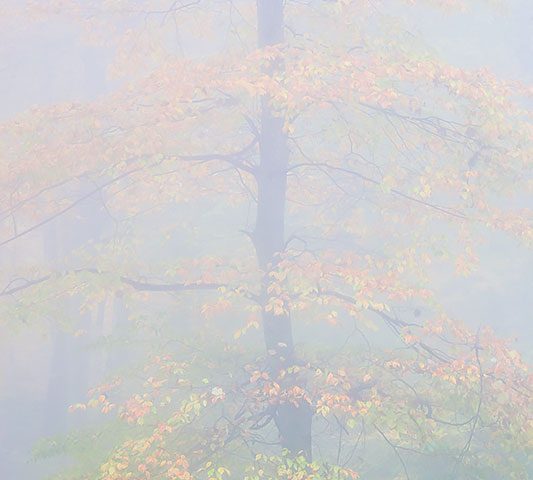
{"points": [[376, 182], [70, 207], [169, 287]]}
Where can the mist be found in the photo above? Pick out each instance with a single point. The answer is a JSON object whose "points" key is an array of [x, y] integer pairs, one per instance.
{"points": [[272, 239]]}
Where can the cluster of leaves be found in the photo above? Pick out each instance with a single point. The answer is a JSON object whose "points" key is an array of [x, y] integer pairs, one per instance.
{"points": [[467, 409]]}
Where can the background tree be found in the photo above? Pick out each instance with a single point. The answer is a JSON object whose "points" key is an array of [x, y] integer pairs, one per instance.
{"points": [[303, 164]]}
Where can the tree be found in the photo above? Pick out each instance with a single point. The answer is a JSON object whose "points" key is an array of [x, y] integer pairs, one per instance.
{"points": [[365, 164]]}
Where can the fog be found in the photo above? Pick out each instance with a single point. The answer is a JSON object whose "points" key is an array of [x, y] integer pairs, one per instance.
{"points": [[260, 240]]}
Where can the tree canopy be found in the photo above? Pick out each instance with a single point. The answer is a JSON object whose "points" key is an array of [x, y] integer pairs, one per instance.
{"points": [[265, 198]]}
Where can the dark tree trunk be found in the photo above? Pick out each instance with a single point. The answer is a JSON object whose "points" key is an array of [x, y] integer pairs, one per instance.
{"points": [[293, 422]]}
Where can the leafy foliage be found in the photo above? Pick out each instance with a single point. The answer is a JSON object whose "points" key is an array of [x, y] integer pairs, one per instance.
{"points": [[398, 166]]}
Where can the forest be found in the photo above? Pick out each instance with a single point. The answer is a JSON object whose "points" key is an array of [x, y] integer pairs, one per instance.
{"points": [[266, 239]]}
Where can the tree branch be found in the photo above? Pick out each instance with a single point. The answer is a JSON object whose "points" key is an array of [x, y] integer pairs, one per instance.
{"points": [[376, 182], [169, 287], [136, 284], [71, 206]]}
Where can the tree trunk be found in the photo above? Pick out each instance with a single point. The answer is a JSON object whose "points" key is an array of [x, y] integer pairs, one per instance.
{"points": [[293, 422]]}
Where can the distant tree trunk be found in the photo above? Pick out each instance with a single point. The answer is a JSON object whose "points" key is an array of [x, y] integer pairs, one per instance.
{"points": [[56, 401], [119, 355], [71, 360], [293, 423]]}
